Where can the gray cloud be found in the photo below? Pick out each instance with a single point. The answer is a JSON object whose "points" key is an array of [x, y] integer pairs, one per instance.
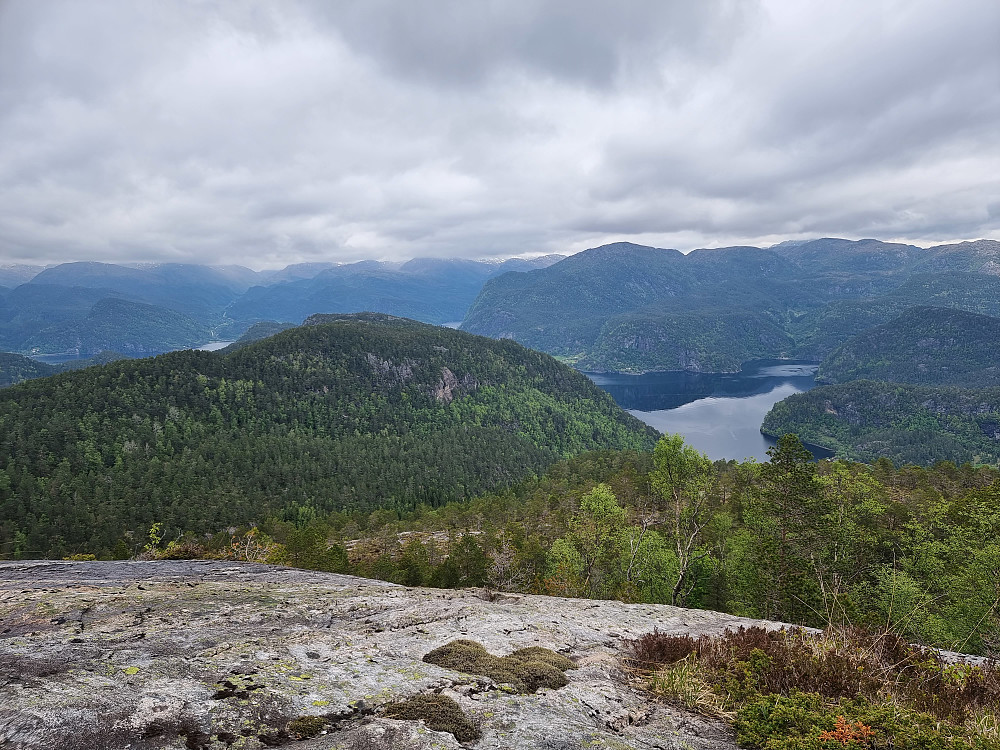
{"points": [[267, 133]]}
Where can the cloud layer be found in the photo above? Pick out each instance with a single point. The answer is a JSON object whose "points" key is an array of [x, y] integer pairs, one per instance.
{"points": [[266, 133]]}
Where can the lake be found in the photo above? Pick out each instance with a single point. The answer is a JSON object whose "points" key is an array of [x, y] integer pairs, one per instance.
{"points": [[718, 413]]}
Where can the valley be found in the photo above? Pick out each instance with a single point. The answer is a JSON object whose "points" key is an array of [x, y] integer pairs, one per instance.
{"points": [[677, 472]]}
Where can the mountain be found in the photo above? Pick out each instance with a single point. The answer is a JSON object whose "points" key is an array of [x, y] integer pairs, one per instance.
{"points": [[199, 291], [132, 328], [707, 341], [978, 256], [296, 271], [626, 306], [262, 330], [635, 308], [819, 332], [428, 289], [866, 420], [30, 308], [924, 346], [15, 274], [869, 258], [345, 415], [226, 300]]}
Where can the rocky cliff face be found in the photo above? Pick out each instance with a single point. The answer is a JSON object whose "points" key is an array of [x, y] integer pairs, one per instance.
{"points": [[217, 655]]}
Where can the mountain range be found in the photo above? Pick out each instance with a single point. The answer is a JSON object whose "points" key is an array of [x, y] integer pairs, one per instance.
{"points": [[633, 308], [65, 309]]}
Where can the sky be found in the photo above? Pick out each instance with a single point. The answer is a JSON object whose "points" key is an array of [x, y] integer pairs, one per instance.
{"points": [[268, 133]]}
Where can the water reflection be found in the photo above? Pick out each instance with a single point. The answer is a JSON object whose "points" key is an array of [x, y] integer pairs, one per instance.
{"points": [[719, 414]]}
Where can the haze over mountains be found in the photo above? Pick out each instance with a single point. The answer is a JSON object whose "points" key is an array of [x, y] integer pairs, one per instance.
{"points": [[160, 307]]}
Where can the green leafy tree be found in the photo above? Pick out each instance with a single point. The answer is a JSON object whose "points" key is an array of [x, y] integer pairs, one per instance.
{"points": [[683, 478]]}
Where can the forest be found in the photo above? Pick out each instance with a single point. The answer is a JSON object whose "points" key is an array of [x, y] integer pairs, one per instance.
{"points": [[923, 346], [831, 543], [865, 420], [360, 412]]}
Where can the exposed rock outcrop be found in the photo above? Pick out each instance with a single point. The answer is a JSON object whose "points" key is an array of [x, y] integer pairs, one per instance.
{"points": [[214, 655]]}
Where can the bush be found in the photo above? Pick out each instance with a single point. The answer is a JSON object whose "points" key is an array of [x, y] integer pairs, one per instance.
{"points": [[794, 690]]}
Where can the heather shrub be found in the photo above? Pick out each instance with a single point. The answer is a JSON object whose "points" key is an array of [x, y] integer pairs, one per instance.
{"points": [[800, 690]]}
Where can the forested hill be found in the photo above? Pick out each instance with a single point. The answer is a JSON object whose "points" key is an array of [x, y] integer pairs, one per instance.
{"points": [[866, 420], [350, 414], [925, 345]]}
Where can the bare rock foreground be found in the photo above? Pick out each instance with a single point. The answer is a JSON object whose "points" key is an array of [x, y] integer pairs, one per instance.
{"points": [[216, 655]]}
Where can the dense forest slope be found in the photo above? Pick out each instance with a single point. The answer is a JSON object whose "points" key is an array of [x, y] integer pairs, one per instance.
{"points": [[351, 414], [866, 420], [630, 307], [819, 332], [925, 346]]}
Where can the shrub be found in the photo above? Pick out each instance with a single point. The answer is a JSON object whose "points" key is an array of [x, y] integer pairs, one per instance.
{"points": [[795, 690]]}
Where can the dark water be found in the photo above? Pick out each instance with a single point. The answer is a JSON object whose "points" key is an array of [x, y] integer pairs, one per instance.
{"points": [[719, 414]]}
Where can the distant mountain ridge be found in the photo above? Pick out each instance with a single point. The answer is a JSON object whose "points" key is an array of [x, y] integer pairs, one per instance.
{"points": [[39, 306], [426, 289], [620, 306], [630, 307]]}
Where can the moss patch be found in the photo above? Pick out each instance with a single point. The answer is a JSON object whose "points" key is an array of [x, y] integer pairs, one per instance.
{"points": [[526, 670], [438, 712], [305, 727]]}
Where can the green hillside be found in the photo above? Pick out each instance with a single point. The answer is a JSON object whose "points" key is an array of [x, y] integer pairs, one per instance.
{"points": [[350, 414], [817, 333], [706, 341], [16, 368], [925, 346], [865, 420], [132, 328]]}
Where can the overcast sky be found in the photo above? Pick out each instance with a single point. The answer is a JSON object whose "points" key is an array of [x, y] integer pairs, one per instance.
{"points": [[265, 133]]}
